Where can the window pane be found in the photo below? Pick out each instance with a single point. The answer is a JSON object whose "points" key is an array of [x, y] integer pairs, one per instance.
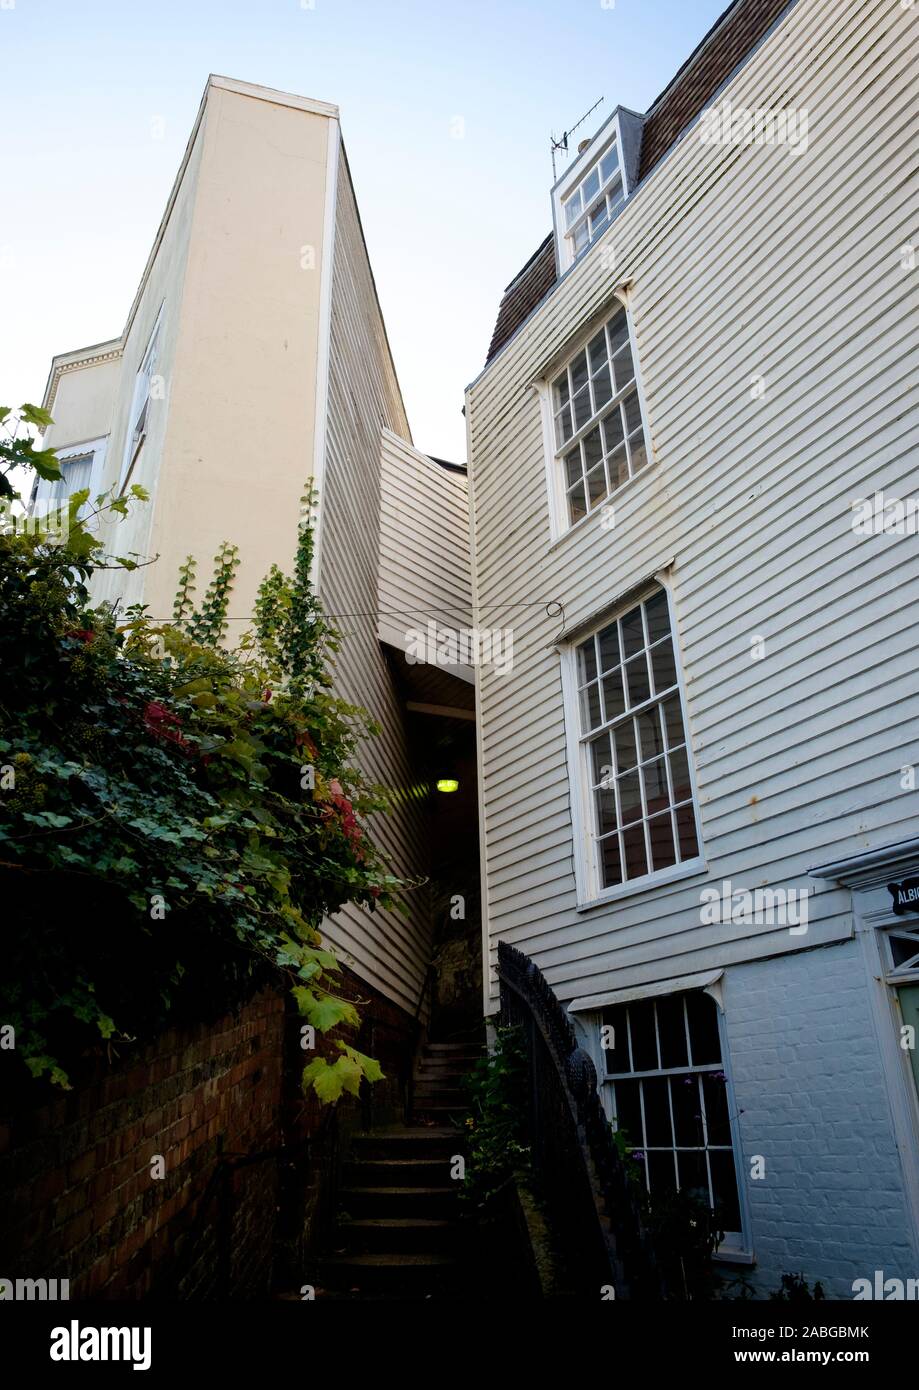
{"points": [[609, 647], [686, 832], [596, 351], [641, 1025], [623, 371], [582, 410], [717, 1116], [633, 848], [590, 706], [590, 187], [587, 662], [673, 720], [596, 486], [613, 697], [612, 430], [572, 207], [657, 796], [593, 448], [610, 867], [632, 412], [617, 1057], [624, 738], [630, 800], [577, 503], [679, 772], [563, 428], [660, 833], [560, 390], [601, 761], [661, 1174], [581, 239], [638, 453], [603, 388], [618, 468], [618, 330], [650, 738], [658, 616], [704, 1043], [658, 1129], [687, 1110], [663, 666], [608, 164], [579, 372], [903, 948], [694, 1175], [724, 1183], [599, 219], [572, 466], [633, 634], [671, 1030], [606, 811], [628, 1110], [636, 675]]}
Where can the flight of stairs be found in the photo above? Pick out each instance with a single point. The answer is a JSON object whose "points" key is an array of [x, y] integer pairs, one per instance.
{"points": [[400, 1235]]}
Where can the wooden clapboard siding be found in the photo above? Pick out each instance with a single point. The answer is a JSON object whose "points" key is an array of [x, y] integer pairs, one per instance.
{"points": [[424, 543], [388, 950], [743, 261]]}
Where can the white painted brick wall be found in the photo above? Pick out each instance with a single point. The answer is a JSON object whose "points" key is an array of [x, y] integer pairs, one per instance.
{"points": [[811, 1098]]}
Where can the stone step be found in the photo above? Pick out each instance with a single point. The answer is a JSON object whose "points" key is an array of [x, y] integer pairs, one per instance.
{"points": [[398, 1172], [440, 1111], [452, 1052], [442, 1073], [421, 1142], [418, 1202], [398, 1234], [397, 1275]]}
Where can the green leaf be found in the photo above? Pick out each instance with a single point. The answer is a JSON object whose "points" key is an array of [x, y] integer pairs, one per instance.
{"points": [[36, 415], [324, 1080], [324, 1013], [369, 1067], [45, 463]]}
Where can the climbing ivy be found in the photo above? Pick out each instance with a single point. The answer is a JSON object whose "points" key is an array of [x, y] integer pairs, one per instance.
{"points": [[176, 820], [207, 624]]}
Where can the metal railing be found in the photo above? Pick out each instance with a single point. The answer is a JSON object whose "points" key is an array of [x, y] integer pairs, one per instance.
{"points": [[591, 1206]]}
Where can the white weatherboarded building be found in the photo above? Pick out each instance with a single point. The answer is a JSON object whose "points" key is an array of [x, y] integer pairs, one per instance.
{"points": [[698, 782], [255, 359]]}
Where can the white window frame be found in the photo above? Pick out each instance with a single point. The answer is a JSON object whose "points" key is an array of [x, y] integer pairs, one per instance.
{"points": [[590, 893], [737, 1246], [560, 523], [138, 417], [94, 448], [610, 134]]}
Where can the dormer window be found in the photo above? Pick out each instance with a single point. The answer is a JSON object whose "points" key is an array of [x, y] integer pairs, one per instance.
{"points": [[589, 209], [593, 188]]}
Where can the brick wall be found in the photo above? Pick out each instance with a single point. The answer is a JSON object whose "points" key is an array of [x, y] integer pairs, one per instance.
{"points": [[78, 1198], [812, 1101]]}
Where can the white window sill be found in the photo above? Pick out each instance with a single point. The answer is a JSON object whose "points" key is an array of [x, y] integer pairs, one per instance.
{"points": [[729, 1255], [691, 869]]}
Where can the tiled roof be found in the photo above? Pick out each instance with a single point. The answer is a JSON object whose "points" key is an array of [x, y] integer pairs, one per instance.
{"points": [[739, 29], [524, 293]]}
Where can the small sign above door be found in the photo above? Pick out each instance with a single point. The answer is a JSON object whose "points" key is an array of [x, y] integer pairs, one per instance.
{"points": [[905, 896]]}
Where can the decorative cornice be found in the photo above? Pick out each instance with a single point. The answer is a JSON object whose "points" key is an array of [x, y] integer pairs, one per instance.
{"points": [[92, 359]]}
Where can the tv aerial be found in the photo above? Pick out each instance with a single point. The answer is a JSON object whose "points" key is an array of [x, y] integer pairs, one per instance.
{"points": [[561, 144]]}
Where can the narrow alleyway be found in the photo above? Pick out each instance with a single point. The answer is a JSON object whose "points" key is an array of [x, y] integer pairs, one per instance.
{"points": [[400, 1233]]}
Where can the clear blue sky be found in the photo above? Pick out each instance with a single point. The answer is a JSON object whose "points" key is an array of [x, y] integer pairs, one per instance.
{"points": [[448, 221]]}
